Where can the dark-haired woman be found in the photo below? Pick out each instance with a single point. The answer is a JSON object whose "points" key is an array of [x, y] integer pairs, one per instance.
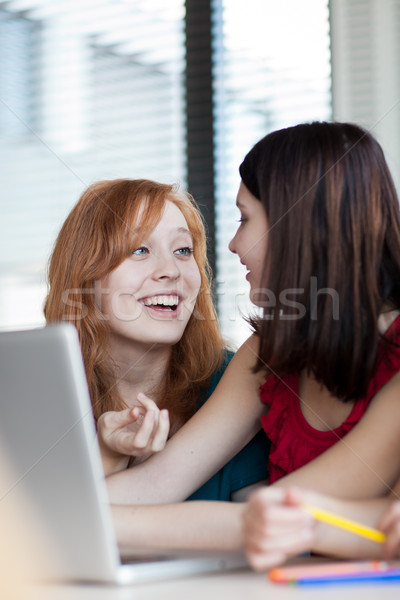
{"points": [[320, 236]]}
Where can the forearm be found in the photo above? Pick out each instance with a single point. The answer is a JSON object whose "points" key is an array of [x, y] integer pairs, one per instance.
{"points": [[112, 462], [332, 541], [182, 526], [159, 480], [223, 426], [277, 526], [114, 465]]}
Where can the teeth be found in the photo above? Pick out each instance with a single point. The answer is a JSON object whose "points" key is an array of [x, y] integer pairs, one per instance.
{"points": [[163, 300]]}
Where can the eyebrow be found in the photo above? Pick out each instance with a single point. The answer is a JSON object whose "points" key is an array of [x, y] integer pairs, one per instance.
{"points": [[137, 230], [183, 230]]}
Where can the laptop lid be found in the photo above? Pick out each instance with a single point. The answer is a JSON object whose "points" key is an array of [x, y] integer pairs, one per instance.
{"points": [[48, 433]]}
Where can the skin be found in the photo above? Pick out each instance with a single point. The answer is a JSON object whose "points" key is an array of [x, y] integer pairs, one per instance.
{"points": [[162, 268], [139, 432], [390, 525], [250, 240], [148, 300], [184, 526], [277, 528]]}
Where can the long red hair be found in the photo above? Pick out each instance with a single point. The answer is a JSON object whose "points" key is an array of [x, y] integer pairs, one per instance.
{"points": [[96, 237]]}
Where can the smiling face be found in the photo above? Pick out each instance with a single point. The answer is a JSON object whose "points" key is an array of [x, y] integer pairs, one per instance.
{"points": [[149, 298], [250, 240]]}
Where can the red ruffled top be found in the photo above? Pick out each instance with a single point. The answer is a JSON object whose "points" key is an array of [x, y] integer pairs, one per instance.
{"points": [[294, 442]]}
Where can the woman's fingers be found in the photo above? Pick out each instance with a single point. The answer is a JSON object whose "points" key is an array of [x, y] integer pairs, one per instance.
{"points": [[161, 433], [280, 529], [110, 421], [136, 431], [275, 527], [143, 436], [147, 402], [390, 525], [153, 432]]}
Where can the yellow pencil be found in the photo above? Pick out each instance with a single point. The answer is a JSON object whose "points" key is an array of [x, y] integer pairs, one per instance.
{"points": [[342, 523]]}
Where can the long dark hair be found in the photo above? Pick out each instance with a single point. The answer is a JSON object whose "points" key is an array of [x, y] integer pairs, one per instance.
{"points": [[333, 249]]}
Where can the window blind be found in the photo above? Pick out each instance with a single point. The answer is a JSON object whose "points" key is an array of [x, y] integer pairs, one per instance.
{"points": [[89, 90], [272, 70], [365, 38], [95, 89]]}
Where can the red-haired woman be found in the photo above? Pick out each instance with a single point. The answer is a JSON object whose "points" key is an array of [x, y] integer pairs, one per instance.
{"points": [[129, 270]]}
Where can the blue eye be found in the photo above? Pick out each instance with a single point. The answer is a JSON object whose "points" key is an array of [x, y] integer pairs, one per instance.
{"points": [[140, 251], [184, 251]]}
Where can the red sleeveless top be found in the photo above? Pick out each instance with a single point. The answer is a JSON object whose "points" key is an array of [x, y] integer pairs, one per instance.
{"points": [[294, 442]]}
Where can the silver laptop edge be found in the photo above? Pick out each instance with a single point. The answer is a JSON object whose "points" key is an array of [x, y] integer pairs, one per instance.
{"points": [[48, 434]]}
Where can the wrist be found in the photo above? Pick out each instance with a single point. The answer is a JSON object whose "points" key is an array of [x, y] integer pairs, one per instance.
{"points": [[113, 462], [114, 465]]}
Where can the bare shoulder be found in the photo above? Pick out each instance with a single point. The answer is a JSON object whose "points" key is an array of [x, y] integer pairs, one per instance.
{"points": [[247, 354], [389, 393], [244, 361], [251, 345]]}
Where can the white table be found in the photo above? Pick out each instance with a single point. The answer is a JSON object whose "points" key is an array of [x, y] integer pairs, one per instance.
{"points": [[237, 585]]}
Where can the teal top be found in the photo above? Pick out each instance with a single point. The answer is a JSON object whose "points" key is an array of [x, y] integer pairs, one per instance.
{"points": [[249, 466]]}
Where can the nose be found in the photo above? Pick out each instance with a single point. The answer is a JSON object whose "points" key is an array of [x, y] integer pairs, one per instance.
{"points": [[231, 245], [166, 268]]}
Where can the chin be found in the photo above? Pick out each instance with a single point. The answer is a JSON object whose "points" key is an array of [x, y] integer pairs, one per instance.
{"points": [[172, 341], [167, 338], [255, 298]]}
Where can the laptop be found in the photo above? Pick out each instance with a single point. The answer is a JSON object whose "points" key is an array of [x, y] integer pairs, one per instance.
{"points": [[47, 432]]}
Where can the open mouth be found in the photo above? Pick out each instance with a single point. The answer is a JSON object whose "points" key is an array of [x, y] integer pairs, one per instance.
{"points": [[163, 303]]}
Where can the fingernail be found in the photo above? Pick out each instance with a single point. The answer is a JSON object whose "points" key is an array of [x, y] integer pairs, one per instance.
{"points": [[164, 413]]}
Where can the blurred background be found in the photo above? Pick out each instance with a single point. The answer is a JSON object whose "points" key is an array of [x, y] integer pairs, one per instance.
{"points": [[177, 92]]}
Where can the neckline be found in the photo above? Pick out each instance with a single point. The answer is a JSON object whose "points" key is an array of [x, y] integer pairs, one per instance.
{"points": [[302, 421], [305, 426]]}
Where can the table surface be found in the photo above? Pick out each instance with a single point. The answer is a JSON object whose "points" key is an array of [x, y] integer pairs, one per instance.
{"points": [[243, 584]]}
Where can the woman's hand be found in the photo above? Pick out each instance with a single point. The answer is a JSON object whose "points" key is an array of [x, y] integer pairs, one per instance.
{"points": [[390, 524], [213, 435], [276, 527], [140, 430]]}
